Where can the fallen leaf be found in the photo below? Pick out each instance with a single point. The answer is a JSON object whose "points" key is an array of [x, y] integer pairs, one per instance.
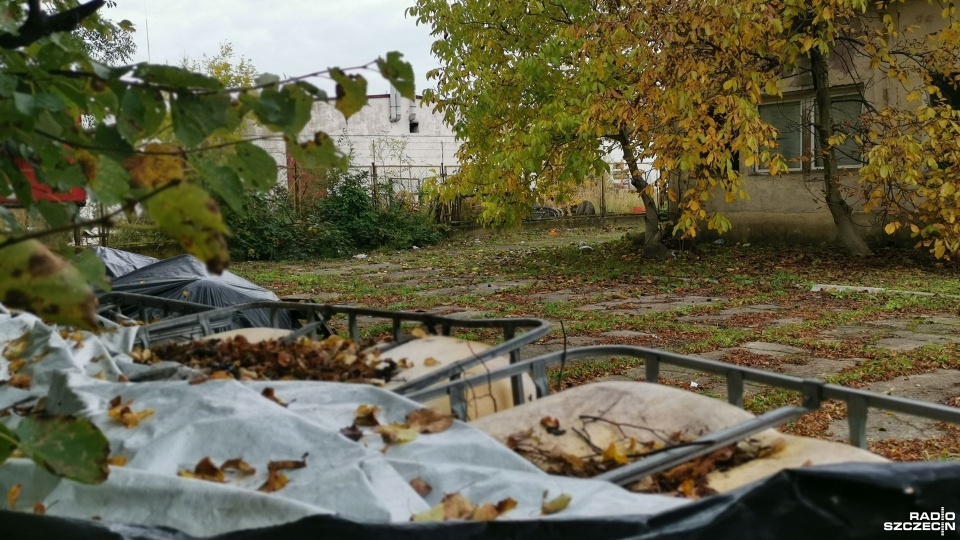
{"points": [[365, 415], [122, 413], [396, 433], [431, 361], [117, 461], [275, 482], [559, 504], [552, 425], [433, 514], [776, 445], [269, 394], [403, 363], [688, 488], [16, 365], [286, 464], [21, 380], [573, 460], [199, 380], [421, 486], [17, 347], [515, 439], [429, 420], [484, 512], [205, 469], [456, 506], [239, 465], [612, 453], [352, 432], [506, 505], [221, 375], [418, 333], [13, 495], [39, 509]]}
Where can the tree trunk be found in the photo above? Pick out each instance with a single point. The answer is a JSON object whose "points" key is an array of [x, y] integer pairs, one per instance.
{"points": [[652, 235], [839, 208]]}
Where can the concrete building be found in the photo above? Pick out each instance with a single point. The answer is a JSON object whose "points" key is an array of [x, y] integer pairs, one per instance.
{"points": [[792, 206], [398, 141]]}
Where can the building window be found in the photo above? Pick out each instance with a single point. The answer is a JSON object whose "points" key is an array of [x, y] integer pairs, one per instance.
{"points": [[788, 119], [795, 120], [846, 119], [414, 127]]}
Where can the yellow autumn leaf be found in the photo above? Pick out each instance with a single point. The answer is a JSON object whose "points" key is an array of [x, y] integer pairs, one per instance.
{"points": [[612, 453], [558, 504], [158, 165]]}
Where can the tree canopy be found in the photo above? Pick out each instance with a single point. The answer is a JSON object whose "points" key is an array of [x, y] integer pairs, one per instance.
{"points": [[72, 121], [534, 87]]}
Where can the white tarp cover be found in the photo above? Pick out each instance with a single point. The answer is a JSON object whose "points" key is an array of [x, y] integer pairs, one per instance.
{"points": [[224, 419]]}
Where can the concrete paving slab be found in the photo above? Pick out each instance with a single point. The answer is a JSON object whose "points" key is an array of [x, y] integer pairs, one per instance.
{"points": [[772, 349], [906, 341], [925, 387], [626, 334]]}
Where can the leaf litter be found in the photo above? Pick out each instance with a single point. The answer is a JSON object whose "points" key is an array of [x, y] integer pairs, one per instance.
{"points": [[333, 359]]}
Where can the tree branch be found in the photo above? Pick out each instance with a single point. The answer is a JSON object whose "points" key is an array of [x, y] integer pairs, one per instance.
{"points": [[39, 25]]}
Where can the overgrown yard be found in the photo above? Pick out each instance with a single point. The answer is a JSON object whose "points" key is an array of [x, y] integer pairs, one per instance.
{"points": [[744, 304]]}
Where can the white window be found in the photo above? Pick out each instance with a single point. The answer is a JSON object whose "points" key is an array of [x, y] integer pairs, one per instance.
{"points": [[794, 120], [846, 111], [787, 117]]}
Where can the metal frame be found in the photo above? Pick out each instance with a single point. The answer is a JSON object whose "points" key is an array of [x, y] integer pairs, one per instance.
{"points": [[517, 332], [813, 392]]}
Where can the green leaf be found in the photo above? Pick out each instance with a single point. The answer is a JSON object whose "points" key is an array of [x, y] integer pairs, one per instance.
{"points": [[266, 78], [188, 214], [195, 117], [399, 73], [351, 92], [318, 94], [111, 143], [8, 443], [24, 103], [56, 214], [7, 85], [39, 281], [286, 109], [91, 267], [254, 166], [111, 184], [170, 76], [66, 446], [141, 114], [223, 181], [320, 153]]}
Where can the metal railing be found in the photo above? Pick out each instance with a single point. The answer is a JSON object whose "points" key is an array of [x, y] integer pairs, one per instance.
{"points": [[812, 391], [315, 319]]}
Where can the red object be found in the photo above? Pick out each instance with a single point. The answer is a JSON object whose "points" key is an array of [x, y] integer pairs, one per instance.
{"points": [[43, 192], [638, 210]]}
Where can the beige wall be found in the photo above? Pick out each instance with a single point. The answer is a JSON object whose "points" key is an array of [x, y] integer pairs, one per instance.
{"points": [[791, 206]]}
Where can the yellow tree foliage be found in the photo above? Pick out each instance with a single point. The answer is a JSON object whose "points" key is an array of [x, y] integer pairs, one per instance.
{"points": [[535, 87]]}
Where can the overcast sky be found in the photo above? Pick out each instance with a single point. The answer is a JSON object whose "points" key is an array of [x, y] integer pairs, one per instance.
{"points": [[285, 37]]}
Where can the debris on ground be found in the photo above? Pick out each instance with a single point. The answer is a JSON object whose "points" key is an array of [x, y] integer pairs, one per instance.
{"points": [[332, 359]]}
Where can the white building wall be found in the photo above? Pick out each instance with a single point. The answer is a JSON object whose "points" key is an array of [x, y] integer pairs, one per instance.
{"points": [[369, 137]]}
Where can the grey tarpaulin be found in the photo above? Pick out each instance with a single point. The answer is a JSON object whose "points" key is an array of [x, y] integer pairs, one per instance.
{"points": [[186, 278], [360, 482], [119, 262], [825, 502]]}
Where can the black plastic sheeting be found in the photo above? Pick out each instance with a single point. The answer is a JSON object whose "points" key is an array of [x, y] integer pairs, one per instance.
{"points": [[186, 278], [120, 262], [826, 502]]}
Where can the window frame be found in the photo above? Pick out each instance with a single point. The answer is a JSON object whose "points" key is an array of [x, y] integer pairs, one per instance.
{"points": [[808, 141]]}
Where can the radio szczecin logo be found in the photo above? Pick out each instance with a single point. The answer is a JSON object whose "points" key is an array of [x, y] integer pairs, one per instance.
{"points": [[941, 521]]}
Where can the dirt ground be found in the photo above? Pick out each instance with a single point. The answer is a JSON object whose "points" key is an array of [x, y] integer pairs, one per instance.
{"points": [[748, 305]]}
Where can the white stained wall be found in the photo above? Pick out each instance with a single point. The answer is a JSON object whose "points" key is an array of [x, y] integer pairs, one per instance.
{"points": [[418, 140]]}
